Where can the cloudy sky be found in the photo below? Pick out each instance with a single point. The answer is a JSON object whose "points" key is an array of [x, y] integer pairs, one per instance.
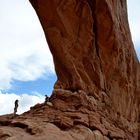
{"points": [[26, 66]]}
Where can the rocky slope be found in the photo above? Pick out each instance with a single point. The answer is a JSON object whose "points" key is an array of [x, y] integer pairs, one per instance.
{"points": [[97, 94], [68, 116]]}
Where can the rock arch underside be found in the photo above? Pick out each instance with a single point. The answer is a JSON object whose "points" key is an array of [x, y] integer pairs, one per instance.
{"points": [[97, 93]]}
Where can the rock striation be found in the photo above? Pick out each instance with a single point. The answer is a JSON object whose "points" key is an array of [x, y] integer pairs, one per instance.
{"points": [[97, 93]]}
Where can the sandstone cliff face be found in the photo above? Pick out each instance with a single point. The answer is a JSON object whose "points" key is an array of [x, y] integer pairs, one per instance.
{"points": [[92, 49], [97, 94]]}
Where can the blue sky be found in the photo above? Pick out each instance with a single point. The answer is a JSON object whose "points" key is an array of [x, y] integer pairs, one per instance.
{"points": [[42, 86], [27, 71]]}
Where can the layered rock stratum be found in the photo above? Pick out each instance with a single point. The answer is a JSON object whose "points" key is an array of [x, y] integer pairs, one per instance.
{"points": [[97, 93]]}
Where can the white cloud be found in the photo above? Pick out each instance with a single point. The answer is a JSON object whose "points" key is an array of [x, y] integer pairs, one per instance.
{"points": [[25, 102], [24, 54]]}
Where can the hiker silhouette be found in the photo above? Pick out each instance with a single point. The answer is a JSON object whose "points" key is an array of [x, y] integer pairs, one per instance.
{"points": [[16, 106]]}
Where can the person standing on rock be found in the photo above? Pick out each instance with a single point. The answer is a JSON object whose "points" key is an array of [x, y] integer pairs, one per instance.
{"points": [[46, 99], [16, 106]]}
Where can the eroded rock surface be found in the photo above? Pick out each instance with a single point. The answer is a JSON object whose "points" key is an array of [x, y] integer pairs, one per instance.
{"points": [[97, 94]]}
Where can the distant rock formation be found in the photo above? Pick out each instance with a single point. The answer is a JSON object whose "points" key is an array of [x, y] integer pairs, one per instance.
{"points": [[97, 94]]}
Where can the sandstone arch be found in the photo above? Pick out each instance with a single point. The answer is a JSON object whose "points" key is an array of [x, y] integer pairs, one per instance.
{"points": [[92, 50]]}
